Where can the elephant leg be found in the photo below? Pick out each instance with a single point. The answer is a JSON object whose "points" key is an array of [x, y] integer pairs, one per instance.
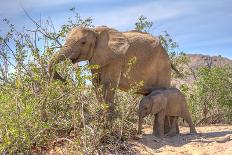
{"points": [[173, 130], [187, 117], [167, 124], [108, 95], [177, 126], [96, 80], [110, 77], [161, 117], [155, 125]]}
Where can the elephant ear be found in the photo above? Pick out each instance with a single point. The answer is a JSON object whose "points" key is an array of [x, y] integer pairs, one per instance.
{"points": [[159, 103], [111, 44]]}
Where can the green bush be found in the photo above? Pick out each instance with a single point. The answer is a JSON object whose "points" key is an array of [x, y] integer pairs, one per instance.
{"points": [[31, 119], [210, 96]]}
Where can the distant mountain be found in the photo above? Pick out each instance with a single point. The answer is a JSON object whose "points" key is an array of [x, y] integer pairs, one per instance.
{"points": [[199, 60]]}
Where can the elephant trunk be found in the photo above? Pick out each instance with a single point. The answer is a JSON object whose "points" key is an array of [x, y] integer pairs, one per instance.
{"points": [[60, 56]]}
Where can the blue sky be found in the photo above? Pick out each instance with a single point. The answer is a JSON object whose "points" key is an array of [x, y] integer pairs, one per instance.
{"points": [[198, 26]]}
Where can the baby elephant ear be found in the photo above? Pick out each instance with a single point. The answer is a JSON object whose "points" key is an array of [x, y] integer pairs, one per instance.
{"points": [[111, 44]]}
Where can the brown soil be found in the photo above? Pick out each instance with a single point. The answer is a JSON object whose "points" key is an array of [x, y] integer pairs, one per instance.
{"points": [[210, 140]]}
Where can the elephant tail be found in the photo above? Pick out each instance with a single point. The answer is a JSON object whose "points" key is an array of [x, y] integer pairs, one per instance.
{"points": [[144, 93], [176, 71]]}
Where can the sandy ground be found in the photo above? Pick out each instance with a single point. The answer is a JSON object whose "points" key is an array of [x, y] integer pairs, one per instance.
{"points": [[210, 140]]}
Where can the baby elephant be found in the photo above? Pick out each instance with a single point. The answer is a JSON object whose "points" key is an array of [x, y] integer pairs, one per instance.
{"points": [[165, 102]]}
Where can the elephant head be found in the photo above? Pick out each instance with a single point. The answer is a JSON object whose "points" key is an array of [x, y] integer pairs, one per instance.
{"points": [[151, 104], [144, 110], [98, 45]]}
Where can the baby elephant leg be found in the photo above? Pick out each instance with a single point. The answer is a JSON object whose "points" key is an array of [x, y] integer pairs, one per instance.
{"points": [[167, 124], [187, 117], [155, 126], [160, 119], [174, 125], [177, 127]]}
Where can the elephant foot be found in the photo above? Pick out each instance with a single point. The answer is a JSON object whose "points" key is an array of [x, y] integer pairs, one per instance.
{"points": [[155, 133], [158, 135], [171, 134]]}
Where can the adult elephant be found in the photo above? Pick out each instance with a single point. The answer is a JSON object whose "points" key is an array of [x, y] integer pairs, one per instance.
{"points": [[112, 51]]}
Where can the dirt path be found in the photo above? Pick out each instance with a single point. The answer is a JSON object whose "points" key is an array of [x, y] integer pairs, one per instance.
{"points": [[211, 140]]}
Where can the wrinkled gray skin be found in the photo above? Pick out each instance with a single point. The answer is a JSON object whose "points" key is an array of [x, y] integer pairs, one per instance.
{"points": [[165, 102], [111, 50], [171, 127]]}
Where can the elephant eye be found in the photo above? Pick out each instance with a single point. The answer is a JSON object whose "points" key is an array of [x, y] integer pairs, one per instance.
{"points": [[83, 42]]}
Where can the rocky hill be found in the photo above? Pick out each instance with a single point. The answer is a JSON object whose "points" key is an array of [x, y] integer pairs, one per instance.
{"points": [[197, 61]]}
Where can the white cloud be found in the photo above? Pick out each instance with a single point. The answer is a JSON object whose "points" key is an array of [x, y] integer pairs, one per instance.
{"points": [[15, 6], [124, 16]]}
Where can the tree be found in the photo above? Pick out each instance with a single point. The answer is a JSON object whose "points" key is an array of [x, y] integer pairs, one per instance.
{"points": [[210, 97], [143, 24]]}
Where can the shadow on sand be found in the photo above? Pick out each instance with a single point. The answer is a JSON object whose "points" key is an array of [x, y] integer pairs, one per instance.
{"points": [[153, 142]]}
